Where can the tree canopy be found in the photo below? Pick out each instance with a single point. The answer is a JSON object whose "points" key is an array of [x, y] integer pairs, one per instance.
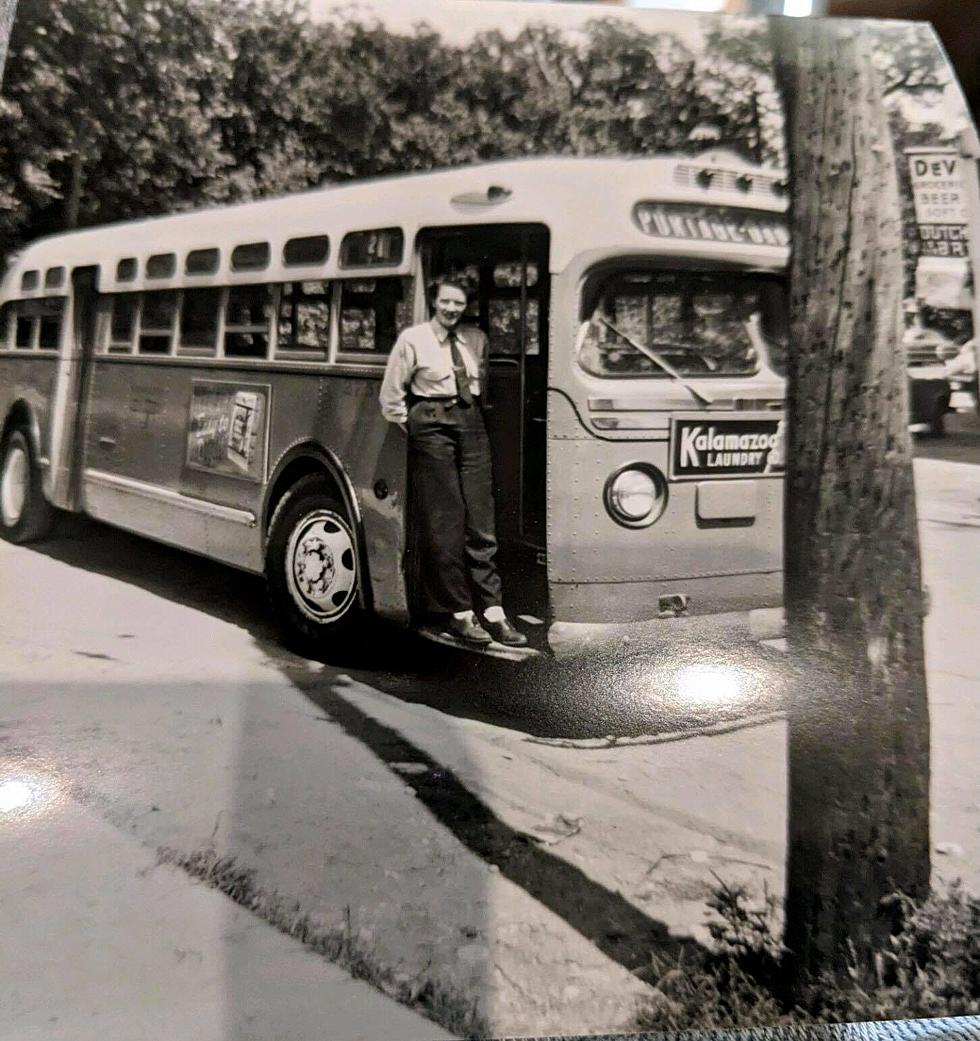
{"points": [[115, 109]]}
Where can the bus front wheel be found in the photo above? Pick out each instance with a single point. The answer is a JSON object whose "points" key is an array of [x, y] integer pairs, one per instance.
{"points": [[25, 514], [311, 568]]}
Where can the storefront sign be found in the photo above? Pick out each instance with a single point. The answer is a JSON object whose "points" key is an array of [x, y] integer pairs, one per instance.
{"points": [[725, 224], [940, 204], [726, 448]]}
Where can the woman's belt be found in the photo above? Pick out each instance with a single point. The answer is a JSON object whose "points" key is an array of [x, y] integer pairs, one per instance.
{"points": [[449, 400]]}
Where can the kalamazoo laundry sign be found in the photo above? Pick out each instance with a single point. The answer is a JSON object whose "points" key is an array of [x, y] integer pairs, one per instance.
{"points": [[726, 448]]}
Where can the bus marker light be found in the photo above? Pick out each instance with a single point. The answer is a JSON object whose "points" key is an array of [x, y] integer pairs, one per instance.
{"points": [[494, 194]]}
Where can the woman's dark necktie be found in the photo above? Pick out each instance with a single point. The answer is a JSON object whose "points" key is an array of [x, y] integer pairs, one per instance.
{"points": [[459, 371]]}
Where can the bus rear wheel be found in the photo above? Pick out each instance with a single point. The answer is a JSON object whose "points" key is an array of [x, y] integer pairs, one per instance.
{"points": [[311, 568], [25, 514]]}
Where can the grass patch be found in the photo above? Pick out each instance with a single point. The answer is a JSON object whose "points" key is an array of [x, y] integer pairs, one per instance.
{"points": [[456, 1013], [929, 969]]}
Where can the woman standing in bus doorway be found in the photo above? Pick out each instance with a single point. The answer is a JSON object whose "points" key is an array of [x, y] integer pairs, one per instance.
{"points": [[434, 387]]}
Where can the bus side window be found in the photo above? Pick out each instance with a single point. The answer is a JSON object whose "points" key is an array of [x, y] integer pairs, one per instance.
{"points": [[304, 318], [6, 319], [248, 321], [27, 325], [122, 323], [372, 314], [49, 325], [774, 322], [200, 310], [505, 327], [504, 309], [157, 319], [24, 328]]}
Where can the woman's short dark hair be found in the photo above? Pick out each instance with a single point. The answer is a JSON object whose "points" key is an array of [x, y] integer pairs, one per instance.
{"points": [[449, 279]]}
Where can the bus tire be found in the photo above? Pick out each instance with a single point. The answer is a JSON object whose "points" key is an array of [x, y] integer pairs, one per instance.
{"points": [[25, 514], [312, 569]]}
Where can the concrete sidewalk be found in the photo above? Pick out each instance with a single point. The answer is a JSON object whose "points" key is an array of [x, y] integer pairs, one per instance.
{"points": [[101, 942]]}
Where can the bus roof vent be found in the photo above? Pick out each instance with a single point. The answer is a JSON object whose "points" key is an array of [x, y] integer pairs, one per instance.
{"points": [[494, 194]]}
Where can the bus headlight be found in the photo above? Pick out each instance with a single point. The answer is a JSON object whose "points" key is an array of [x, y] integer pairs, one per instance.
{"points": [[636, 495]]}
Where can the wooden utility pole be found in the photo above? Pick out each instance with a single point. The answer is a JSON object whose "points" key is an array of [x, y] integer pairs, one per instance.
{"points": [[8, 8], [859, 722]]}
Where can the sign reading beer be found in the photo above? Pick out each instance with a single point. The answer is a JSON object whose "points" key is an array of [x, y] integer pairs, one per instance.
{"points": [[940, 205], [701, 448], [725, 224]]}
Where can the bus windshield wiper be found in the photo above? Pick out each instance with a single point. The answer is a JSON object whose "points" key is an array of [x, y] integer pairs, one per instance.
{"points": [[649, 352]]}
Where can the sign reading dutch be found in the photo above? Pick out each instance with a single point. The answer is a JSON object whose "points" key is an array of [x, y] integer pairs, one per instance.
{"points": [[940, 206]]}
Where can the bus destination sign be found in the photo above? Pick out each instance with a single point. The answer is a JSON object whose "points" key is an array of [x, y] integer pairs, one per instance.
{"points": [[726, 448], [725, 224]]}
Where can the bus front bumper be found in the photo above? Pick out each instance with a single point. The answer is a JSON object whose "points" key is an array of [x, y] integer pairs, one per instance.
{"points": [[687, 634]]}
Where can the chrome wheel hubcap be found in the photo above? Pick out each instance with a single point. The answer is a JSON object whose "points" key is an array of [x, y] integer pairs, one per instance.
{"points": [[13, 485], [321, 567]]}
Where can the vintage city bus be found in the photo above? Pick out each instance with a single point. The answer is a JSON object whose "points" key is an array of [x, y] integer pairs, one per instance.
{"points": [[210, 380]]}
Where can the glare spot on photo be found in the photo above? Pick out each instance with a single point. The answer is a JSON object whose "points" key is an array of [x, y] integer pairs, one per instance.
{"points": [[798, 8], [709, 685], [14, 795], [25, 796], [703, 6]]}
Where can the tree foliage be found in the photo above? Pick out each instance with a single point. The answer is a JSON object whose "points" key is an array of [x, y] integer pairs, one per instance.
{"points": [[915, 79], [909, 61], [114, 109]]}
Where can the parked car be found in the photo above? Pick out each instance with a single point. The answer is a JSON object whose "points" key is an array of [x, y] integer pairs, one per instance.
{"points": [[961, 371], [929, 397], [929, 387]]}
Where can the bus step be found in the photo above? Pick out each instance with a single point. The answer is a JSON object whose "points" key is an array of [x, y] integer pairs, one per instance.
{"points": [[493, 650]]}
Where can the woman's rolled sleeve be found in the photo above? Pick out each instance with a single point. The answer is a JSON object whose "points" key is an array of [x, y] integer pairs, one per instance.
{"points": [[397, 379]]}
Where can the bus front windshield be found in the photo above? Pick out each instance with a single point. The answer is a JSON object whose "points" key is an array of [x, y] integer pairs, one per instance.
{"points": [[690, 324]]}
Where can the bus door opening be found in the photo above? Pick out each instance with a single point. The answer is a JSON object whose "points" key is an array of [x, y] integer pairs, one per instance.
{"points": [[506, 270], [82, 347]]}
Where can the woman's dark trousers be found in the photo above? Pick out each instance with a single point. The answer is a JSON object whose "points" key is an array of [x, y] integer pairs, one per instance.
{"points": [[452, 537]]}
